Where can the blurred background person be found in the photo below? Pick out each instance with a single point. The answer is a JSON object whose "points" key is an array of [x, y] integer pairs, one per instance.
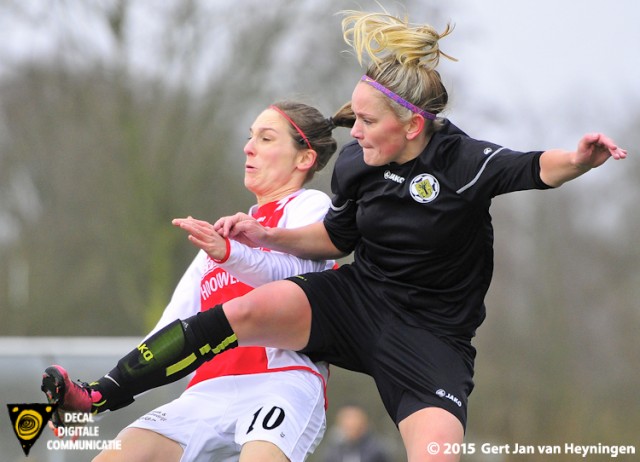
{"points": [[352, 440]]}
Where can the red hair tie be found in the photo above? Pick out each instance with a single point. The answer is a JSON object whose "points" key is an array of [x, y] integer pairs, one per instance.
{"points": [[298, 129]]}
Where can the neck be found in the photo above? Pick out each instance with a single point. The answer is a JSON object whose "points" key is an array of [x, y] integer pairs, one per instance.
{"points": [[262, 199], [414, 149]]}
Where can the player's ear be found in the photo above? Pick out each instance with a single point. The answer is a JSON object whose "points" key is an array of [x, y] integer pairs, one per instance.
{"points": [[415, 126], [307, 159]]}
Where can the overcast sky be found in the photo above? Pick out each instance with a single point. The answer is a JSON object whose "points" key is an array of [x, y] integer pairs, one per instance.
{"points": [[564, 65], [576, 60], [532, 74]]}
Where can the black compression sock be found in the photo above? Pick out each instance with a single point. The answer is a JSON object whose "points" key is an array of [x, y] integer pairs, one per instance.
{"points": [[168, 355]]}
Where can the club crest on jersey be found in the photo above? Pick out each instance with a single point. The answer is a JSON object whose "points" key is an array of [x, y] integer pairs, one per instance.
{"points": [[424, 188]]}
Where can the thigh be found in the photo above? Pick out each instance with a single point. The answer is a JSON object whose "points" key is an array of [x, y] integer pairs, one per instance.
{"points": [[216, 418], [417, 370], [140, 445], [286, 409], [429, 434], [261, 451], [276, 315], [346, 318], [197, 421]]}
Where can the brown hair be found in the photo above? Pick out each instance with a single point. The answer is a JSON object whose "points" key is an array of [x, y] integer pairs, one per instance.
{"points": [[316, 128]]}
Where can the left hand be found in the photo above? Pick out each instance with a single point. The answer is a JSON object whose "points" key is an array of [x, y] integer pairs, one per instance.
{"points": [[594, 149]]}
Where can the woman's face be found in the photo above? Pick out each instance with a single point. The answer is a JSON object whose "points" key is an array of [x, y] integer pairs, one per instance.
{"points": [[272, 168], [382, 136]]}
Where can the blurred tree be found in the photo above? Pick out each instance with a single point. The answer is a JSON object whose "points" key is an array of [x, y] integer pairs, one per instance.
{"points": [[126, 114], [556, 353], [101, 147]]}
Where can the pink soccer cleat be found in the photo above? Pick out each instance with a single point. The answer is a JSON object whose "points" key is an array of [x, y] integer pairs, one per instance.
{"points": [[70, 396]]}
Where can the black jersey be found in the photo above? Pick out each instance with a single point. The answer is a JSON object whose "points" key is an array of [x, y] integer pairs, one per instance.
{"points": [[422, 232]]}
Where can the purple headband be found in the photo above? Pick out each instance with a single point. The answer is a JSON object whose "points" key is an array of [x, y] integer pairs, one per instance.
{"points": [[397, 98]]}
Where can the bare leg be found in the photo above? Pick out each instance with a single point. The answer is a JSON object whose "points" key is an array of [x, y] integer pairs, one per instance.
{"points": [[275, 315], [261, 451], [140, 445], [428, 432]]}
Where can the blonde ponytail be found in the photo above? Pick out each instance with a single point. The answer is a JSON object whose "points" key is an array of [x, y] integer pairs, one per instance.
{"points": [[380, 35], [403, 57]]}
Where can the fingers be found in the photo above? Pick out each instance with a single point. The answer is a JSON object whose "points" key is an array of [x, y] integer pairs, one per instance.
{"points": [[225, 224], [607, 144], [597, 144], [618, 153], [205, 235], [191, 222], [200, 232], [193, 226]]}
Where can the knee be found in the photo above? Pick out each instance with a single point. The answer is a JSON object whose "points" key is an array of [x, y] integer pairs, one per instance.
{"points": [[241, 313], [277, 314]]}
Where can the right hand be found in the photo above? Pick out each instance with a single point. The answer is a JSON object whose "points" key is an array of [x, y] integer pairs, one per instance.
{"points": [[203, 235], [242, 228]]}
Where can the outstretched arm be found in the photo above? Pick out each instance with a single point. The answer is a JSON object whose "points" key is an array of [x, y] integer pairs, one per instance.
{"points": [[558, 166], [250, 265], [311, 241]]}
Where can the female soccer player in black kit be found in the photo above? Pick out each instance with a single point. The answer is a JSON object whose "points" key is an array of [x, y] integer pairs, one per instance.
{"points": [[411, 200]]}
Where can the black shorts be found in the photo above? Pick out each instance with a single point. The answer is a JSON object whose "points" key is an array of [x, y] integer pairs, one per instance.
{"points": [[352, 327]]}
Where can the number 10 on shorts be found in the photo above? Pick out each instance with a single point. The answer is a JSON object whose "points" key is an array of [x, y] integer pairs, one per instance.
{"points": [[268, 420]]}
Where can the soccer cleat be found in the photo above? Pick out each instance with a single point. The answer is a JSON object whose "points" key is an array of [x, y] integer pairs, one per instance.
{"points": [[70, 396]]}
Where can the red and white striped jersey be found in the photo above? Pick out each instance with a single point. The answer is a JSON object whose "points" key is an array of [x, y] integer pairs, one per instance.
{"points": [[207, 283]]}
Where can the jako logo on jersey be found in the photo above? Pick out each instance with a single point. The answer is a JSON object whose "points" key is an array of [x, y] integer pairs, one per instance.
{"points": [[443, 394], [487, 151], [424, 188], [393, 177]]}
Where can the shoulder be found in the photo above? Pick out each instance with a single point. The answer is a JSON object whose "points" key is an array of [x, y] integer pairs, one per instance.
{"points": [[452, 146], [350, 154], [449, 136], [310, 198], [306, 207], [310, 194], [350, 171]]}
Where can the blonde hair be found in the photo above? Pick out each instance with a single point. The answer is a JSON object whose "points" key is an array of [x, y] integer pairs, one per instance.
{"points": [[403, 57]]}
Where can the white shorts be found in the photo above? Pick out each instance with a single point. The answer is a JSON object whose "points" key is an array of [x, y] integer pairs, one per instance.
{"points": [[214, 418]]}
